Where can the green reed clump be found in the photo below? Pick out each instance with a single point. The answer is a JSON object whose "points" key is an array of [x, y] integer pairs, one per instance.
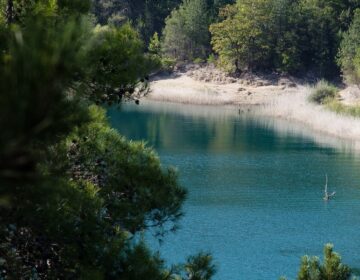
{"points": [[322, 92], [339, 108]]}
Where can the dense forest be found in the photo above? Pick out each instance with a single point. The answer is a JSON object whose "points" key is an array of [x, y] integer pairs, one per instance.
{"points": [[297, 37], [76, 198]]}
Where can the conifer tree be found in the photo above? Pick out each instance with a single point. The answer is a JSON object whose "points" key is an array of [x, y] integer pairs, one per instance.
{"points": [[331, 268], [74, 194], [349, 54]]}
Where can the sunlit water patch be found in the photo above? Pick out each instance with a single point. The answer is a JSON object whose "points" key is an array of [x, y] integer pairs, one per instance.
{"points": [[255, 187]]}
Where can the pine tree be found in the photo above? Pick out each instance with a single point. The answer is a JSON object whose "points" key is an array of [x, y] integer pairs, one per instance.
{"points": [[332, 267], [186, 34], [73, 192], [349, 54]]}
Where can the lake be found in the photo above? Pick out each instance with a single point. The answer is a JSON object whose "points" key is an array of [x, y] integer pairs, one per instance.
{"points": [[255, 187]]}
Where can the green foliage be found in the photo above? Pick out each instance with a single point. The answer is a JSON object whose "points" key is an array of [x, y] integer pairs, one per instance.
{"points": [[168, 64], [336, 106], [44, 62], [241, 39], [211, 59], [349, 55], [155, 51], [78, 6], [198, 60], [324, 39], [290, 36], [323, 92], [200, 267], [144, 265], [17, 10], [147, 16], [147, 196], [110, 52], [102, 188], [154, 45], [175, 43], [186, 35], [75, 196], [332, 267]]}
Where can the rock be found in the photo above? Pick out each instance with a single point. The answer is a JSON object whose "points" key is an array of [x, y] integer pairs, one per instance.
{"points": [[241, 89], [291, 85], [249, 93], [286, 82]]}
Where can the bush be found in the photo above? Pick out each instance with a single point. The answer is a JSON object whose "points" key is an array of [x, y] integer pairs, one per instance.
{"points": [[322, 92], [168, 64], [211, 59], [198, 60]]}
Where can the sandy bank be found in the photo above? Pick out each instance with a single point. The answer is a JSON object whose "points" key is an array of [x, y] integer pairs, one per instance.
{"points": [[283, 98], [204, 87]]}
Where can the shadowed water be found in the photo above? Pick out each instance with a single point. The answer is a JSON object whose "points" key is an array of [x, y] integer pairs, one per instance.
{"points": [[255, 187]]}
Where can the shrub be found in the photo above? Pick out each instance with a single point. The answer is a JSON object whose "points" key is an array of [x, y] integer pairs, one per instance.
{"points": [[168, 64], [198, 60], [211, 59], [322, 92]]}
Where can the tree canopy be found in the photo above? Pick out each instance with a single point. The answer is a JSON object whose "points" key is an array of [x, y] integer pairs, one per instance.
{"points": [[331, 268], [349, 55], [75, 196], [281, 35]]}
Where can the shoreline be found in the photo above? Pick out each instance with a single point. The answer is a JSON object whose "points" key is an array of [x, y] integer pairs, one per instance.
{"points": [[286, 99]]}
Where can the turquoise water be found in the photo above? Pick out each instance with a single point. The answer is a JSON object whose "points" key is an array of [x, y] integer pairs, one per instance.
{"points": [[255, 187]]}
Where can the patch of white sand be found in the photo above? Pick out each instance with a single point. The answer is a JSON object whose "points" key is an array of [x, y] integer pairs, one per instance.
{"points": [[290, 103]]}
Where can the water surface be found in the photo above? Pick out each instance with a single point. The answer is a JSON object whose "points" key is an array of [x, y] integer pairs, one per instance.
{"points": [[255, 187]]}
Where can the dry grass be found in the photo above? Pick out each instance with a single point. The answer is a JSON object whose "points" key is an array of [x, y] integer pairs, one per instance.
{"points": [[297, 108], [290, 104], [186, 91], [203, 96]]}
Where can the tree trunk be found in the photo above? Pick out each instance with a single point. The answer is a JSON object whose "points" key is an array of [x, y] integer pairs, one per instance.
{"points": [[9, 11], [237, 68]]}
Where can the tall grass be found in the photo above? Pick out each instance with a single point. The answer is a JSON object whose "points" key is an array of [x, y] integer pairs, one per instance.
{"points": [[326, 93], [188, 93], [339, 108], [297, 108]]}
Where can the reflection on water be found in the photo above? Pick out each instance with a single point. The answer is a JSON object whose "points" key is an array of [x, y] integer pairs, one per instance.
{"points": [[255, 186], [219, 122]]}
